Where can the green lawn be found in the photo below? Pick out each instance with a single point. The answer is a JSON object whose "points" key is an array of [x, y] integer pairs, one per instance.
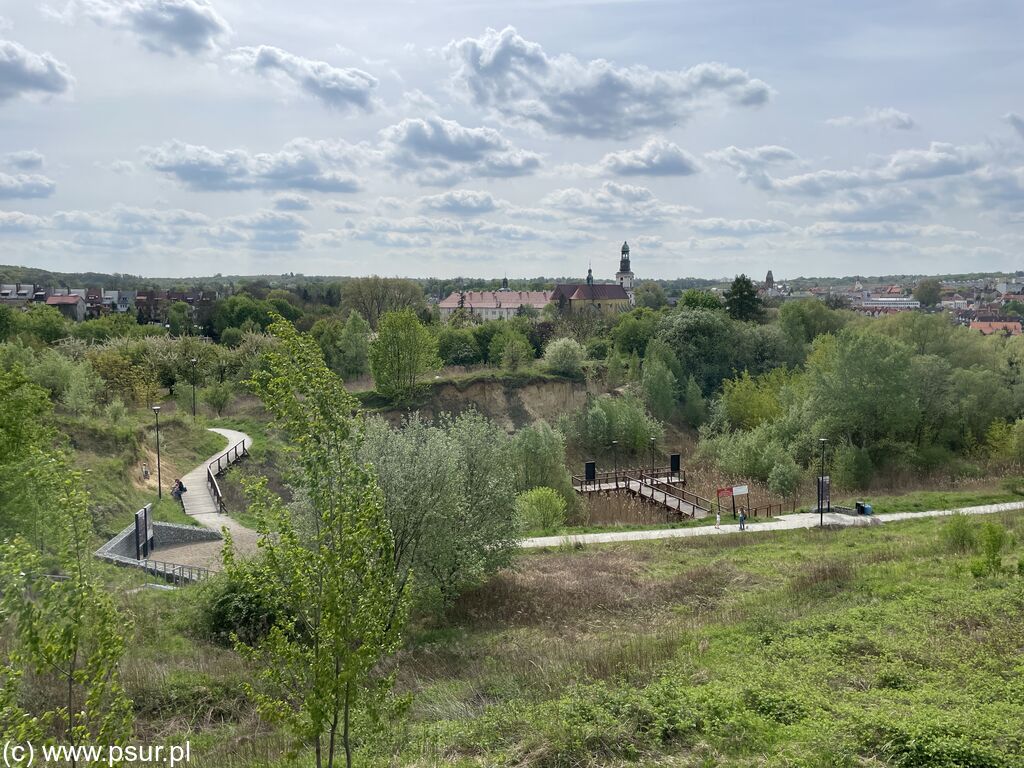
{"points": [[858, 647]]}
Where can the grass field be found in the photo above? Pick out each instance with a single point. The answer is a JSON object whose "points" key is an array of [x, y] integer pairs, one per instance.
{"points": [[860, 647]]}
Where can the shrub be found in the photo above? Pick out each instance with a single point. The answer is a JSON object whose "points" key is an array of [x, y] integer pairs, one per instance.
{"points": [[516, 354], [597, 348], [541, 509], [229, 605], [565, 357], [217, 397], [993, 539], [606, 418], [958, 534]]}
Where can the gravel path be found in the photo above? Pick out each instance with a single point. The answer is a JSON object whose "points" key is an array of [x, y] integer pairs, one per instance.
{"points": [[785, 522], [200, 505]]}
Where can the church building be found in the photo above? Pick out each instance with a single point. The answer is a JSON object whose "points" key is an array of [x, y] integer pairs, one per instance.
{"points": [[608, 298]]}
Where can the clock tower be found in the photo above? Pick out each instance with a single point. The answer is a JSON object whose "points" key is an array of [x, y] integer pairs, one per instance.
{"points": [[625, 274]]}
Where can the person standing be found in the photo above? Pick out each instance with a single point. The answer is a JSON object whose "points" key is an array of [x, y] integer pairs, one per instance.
{"points": [[718, 519], [743, 520]]}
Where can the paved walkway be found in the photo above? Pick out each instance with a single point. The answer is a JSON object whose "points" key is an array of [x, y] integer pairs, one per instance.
{"points": [[199, 504], [784, 522]]}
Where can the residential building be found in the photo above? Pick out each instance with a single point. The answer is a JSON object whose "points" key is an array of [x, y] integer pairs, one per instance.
{"points": [[16, 294], [989, 327], [493, 305], [71, 305]]}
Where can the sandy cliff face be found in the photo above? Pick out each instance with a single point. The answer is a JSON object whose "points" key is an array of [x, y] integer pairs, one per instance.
{"points": [[512, 405]]}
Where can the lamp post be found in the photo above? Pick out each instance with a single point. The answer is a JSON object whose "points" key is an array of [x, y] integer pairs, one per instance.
{"points": [[194, 361], [159, 483], [821, 484], [653, 441], [615, 453]]}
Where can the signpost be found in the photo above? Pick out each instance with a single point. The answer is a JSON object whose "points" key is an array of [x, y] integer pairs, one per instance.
{"points": [[144, 532], [731, 492], [824, 496]]}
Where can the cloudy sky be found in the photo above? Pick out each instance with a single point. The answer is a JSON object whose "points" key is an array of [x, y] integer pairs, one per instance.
{"points": [[447, 137]]}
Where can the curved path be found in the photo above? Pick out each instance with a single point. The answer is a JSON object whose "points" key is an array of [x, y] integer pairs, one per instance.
{"points": [[200, 505], [785, 522]]}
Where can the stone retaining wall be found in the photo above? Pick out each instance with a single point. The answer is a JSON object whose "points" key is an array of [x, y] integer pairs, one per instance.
{"points": [[120, 550]]}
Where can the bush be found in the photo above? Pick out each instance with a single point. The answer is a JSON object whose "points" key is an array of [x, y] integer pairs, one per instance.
{"points": [[516, 354], [607, 418], [218, 397], [541, 509], [958, 534], [565, 357], [993, 539], [597, 348], [458, 346], [230, 605]]}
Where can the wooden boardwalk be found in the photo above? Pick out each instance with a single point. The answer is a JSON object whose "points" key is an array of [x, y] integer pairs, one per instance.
{"points": [[658, 486]]}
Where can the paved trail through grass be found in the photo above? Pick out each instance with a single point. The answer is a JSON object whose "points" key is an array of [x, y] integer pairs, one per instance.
{"points": [[200, 505], [785, 522]]}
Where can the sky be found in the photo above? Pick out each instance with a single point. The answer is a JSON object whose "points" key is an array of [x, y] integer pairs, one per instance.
{"points": [[181, 137]]}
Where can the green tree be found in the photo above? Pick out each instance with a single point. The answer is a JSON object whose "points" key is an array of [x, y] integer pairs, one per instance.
{"points": [[518, 352], [540, 509], [179, 319], [448, 491], [355, 346], [651, 295], [660, 389], [24, 431], [457, 346], [633, 330], [403, 352], [742, 301], [806, 319], [330, 564], [928, 292], [695, 409], [42, 322], [695, 298], [564, 357], [373, 297], [8, 322], [217, 396], [538, 456], [67, 633]]}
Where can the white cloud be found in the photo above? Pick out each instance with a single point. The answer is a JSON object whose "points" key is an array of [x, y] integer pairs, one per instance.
{"points": [[25, 185], [463, 202], [1016, 121], [25, 160], [16, 221], [24, 73], [165, 26], [614, 202], [517, 79], [884, 118], [303, 164], [752, 164], [657, 157], [442, 152], [939, 160], [738, 227], [338, 88], [291, 201]]}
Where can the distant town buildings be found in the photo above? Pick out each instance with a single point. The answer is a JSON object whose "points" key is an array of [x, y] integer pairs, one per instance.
{"points": [[606, 298], [78, 304]]}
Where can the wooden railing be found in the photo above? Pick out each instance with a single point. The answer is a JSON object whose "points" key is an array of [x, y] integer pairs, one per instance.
{"points": [[623, 476], [221, 463], [229, 457], [668, 489], [767, 510], [177, 574]]}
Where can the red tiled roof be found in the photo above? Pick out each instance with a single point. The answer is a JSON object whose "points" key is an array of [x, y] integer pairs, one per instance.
{"points": [[1001, 326], [73, 299], [599, 291], [496, 299]]}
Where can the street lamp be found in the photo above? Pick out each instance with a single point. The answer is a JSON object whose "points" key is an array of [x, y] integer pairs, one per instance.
{"points": [[653, 441], [159, 483], [821, 485], [615, 453], [194, 361]]}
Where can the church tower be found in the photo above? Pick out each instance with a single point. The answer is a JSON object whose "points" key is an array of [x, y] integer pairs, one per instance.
{"points": [[625, 274]]}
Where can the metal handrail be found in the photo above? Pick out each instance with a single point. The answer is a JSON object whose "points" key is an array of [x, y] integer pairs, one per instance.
{"points": [[176, 573], [222, 462]]}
